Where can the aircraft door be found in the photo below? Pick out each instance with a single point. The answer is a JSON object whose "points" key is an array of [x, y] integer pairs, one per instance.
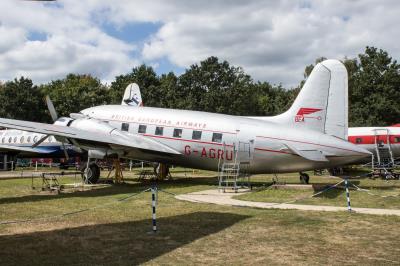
{"points": [[244, 145]]}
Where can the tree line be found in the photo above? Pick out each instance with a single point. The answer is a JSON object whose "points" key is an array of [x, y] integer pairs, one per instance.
{"points": [[213, 86]]}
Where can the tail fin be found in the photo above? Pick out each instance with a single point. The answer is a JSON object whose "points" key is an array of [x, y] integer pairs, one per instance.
{"points": [[132, 96], [322, 103]]}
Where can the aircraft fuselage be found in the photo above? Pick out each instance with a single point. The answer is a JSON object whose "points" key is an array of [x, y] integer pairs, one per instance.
{"points": [[204, 139]]}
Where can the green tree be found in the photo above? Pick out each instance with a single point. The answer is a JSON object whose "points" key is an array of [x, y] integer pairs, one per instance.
{"points": [[22, 100], [170, 96], [215, 86], [375, 90], [75, 93]]}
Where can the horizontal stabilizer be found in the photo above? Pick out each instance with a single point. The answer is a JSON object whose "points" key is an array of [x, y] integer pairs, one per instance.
{"points": [[311, 155]]}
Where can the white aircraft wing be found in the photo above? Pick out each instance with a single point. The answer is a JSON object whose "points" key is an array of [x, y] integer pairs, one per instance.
{"points": [[114, 139], [4, 147]]}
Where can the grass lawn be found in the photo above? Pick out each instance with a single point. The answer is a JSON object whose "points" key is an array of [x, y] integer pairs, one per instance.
{"points": [[189, 233], [333, 197]]}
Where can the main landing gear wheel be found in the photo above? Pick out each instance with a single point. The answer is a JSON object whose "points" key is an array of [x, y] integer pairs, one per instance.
{"points": [[161, 171], [304, 178], [90, 175]]}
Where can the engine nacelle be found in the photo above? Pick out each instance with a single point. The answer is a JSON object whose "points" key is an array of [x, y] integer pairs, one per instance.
{"points": [[102, 153], [92, 125]]}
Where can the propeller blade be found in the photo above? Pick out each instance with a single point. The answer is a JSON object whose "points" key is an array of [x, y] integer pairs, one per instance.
{"points": [[40, 141], [51, 108]]}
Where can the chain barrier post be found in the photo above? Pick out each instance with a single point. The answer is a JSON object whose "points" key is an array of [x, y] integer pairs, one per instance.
{"points": [[153, 207], [346, 182]]}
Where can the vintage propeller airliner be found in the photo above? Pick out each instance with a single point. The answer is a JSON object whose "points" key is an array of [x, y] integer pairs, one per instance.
{"points": [[310, 135]]}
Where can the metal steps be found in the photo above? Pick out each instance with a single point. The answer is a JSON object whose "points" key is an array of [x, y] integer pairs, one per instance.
{"points": [[234, 175]]}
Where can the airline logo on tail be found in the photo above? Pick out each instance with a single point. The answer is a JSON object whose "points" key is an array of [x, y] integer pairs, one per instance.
{"points": [[300, 116], [134, 100]]}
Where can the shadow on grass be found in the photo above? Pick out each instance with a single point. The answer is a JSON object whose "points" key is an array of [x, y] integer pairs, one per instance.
{"points": [[114, 189], [124, 243]]}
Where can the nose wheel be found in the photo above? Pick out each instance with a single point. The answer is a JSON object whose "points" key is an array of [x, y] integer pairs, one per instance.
{"points": [[304, 178]]}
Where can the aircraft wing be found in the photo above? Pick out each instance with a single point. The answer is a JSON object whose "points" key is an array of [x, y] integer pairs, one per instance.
{"points": [[4, 147], [113, 139], [312, 155]]}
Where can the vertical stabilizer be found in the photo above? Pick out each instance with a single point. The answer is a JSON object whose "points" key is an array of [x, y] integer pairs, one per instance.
{"points": [[322, 103], [132, 96]]}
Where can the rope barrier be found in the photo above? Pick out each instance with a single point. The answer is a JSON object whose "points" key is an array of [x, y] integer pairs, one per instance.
{"points": [[74, 212], [311, 196], [373, 194]]}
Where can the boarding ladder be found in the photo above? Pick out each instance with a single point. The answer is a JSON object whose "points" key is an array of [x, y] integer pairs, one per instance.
{"points": [[382, 159], [234, 174], [383, 163]]}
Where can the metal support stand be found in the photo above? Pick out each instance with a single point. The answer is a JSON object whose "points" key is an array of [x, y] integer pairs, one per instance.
{"points": [[118, 176]]}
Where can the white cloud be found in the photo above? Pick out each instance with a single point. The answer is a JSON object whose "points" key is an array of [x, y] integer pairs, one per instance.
{"points": [[272, 40], [74, 44], [275, 43]]}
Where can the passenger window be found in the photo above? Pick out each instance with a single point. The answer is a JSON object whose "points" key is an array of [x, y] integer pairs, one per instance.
{"points": [[177, 133], [396, 139], [358, 140], [50, 138], [21, 140], [3, 140], [29, 139], [217, 137], [196, 134], [142, 129], [124, 127], [15, 139], [9, 139], [159, 131], [35, 139]]}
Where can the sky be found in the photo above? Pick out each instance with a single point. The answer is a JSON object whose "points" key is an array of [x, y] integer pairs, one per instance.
{"points": [[272, 41]]}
